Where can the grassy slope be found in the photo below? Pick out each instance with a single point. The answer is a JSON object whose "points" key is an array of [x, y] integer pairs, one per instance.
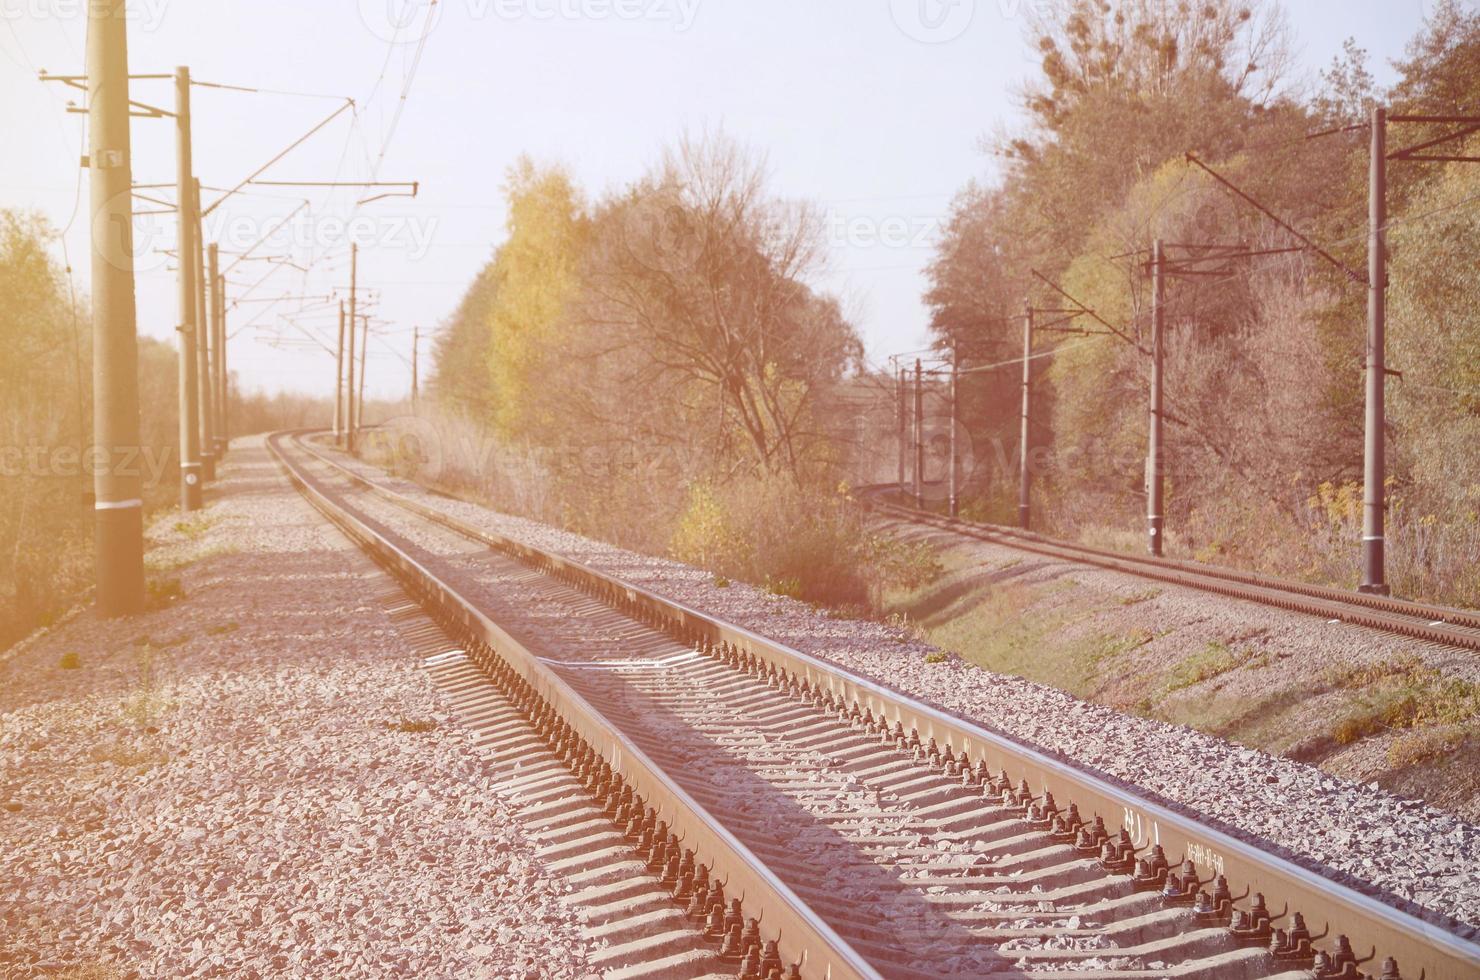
{"points": [[1398, 721]]}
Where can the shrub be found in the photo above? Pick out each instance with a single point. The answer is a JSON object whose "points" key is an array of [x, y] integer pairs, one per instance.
{"points": [[810, 543], [70, 661]]}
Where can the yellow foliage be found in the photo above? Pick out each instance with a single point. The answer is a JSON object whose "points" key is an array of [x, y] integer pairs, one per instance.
{"points": [[536, 275], [1341, 505]]}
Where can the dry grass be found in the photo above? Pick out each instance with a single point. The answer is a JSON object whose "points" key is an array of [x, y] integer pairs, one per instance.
{"points": [[127, 755], [1401, 694], [412, 725], [810, 542], [145, 704], [1412, 748]]}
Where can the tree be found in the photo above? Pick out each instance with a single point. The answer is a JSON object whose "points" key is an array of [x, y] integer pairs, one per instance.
{"points": [[697, 281], [535, 270]]}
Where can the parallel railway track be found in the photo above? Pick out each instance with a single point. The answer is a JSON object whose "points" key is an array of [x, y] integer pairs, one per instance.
{"points": [[1436, 624], [863, 833]]}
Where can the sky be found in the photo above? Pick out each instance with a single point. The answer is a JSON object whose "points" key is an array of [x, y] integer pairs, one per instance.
{"points": [[875, 110]]}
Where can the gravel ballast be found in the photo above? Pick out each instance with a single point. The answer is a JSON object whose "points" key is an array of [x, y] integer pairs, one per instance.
{"points": [[1413, 854], [257, 778]]}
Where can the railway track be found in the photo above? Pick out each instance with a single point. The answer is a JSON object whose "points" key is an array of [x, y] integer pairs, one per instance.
{"points": [[1436, 624], [860, 832]]}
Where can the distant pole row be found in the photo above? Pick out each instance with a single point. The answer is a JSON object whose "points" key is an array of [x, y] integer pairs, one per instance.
{"points": [[202, 309], [911, 432], [1374, 473], [204, 394], [344, 372]]}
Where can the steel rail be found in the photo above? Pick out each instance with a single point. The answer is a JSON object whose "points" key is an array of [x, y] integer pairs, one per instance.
{"points": [[1421, 948], [802, 936], [1438, 624]]}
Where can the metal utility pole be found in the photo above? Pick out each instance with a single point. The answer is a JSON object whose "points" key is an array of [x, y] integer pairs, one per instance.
{"points": [[190, 467], [919, 436], [1155, 468], [339, 380], [349, 391], [364, 354], [899, 411], [415, 343], [1025, 477], [1374, 473], [952, 498], [211, 352], [202, 350], [223, 432], [118, 506]]}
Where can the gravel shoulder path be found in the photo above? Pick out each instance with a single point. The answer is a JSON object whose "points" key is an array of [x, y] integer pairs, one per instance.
{"points": [[256, 777], [1414, 854]]}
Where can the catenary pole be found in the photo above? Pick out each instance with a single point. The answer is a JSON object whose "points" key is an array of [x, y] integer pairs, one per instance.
{"points": [[190, 466], [1155, 459], [118, 507], [364, 356], [349, 365], [1025, 476], [339, 380], [919, 435], [1374, 471], [213, 334], [202, 351], [899, 411], [953, 502], [223, 432], [415, 344]]}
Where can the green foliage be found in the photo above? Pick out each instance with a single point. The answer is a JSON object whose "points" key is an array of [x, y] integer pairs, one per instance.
{"points": [[1212, 661], [461, 351]]}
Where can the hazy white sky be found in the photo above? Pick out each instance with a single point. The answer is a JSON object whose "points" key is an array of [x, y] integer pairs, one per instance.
{"points": [[875, 109]]}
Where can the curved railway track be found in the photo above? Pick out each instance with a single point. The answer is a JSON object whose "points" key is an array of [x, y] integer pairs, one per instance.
{"points": [[809, 822], [1437, 624]]}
